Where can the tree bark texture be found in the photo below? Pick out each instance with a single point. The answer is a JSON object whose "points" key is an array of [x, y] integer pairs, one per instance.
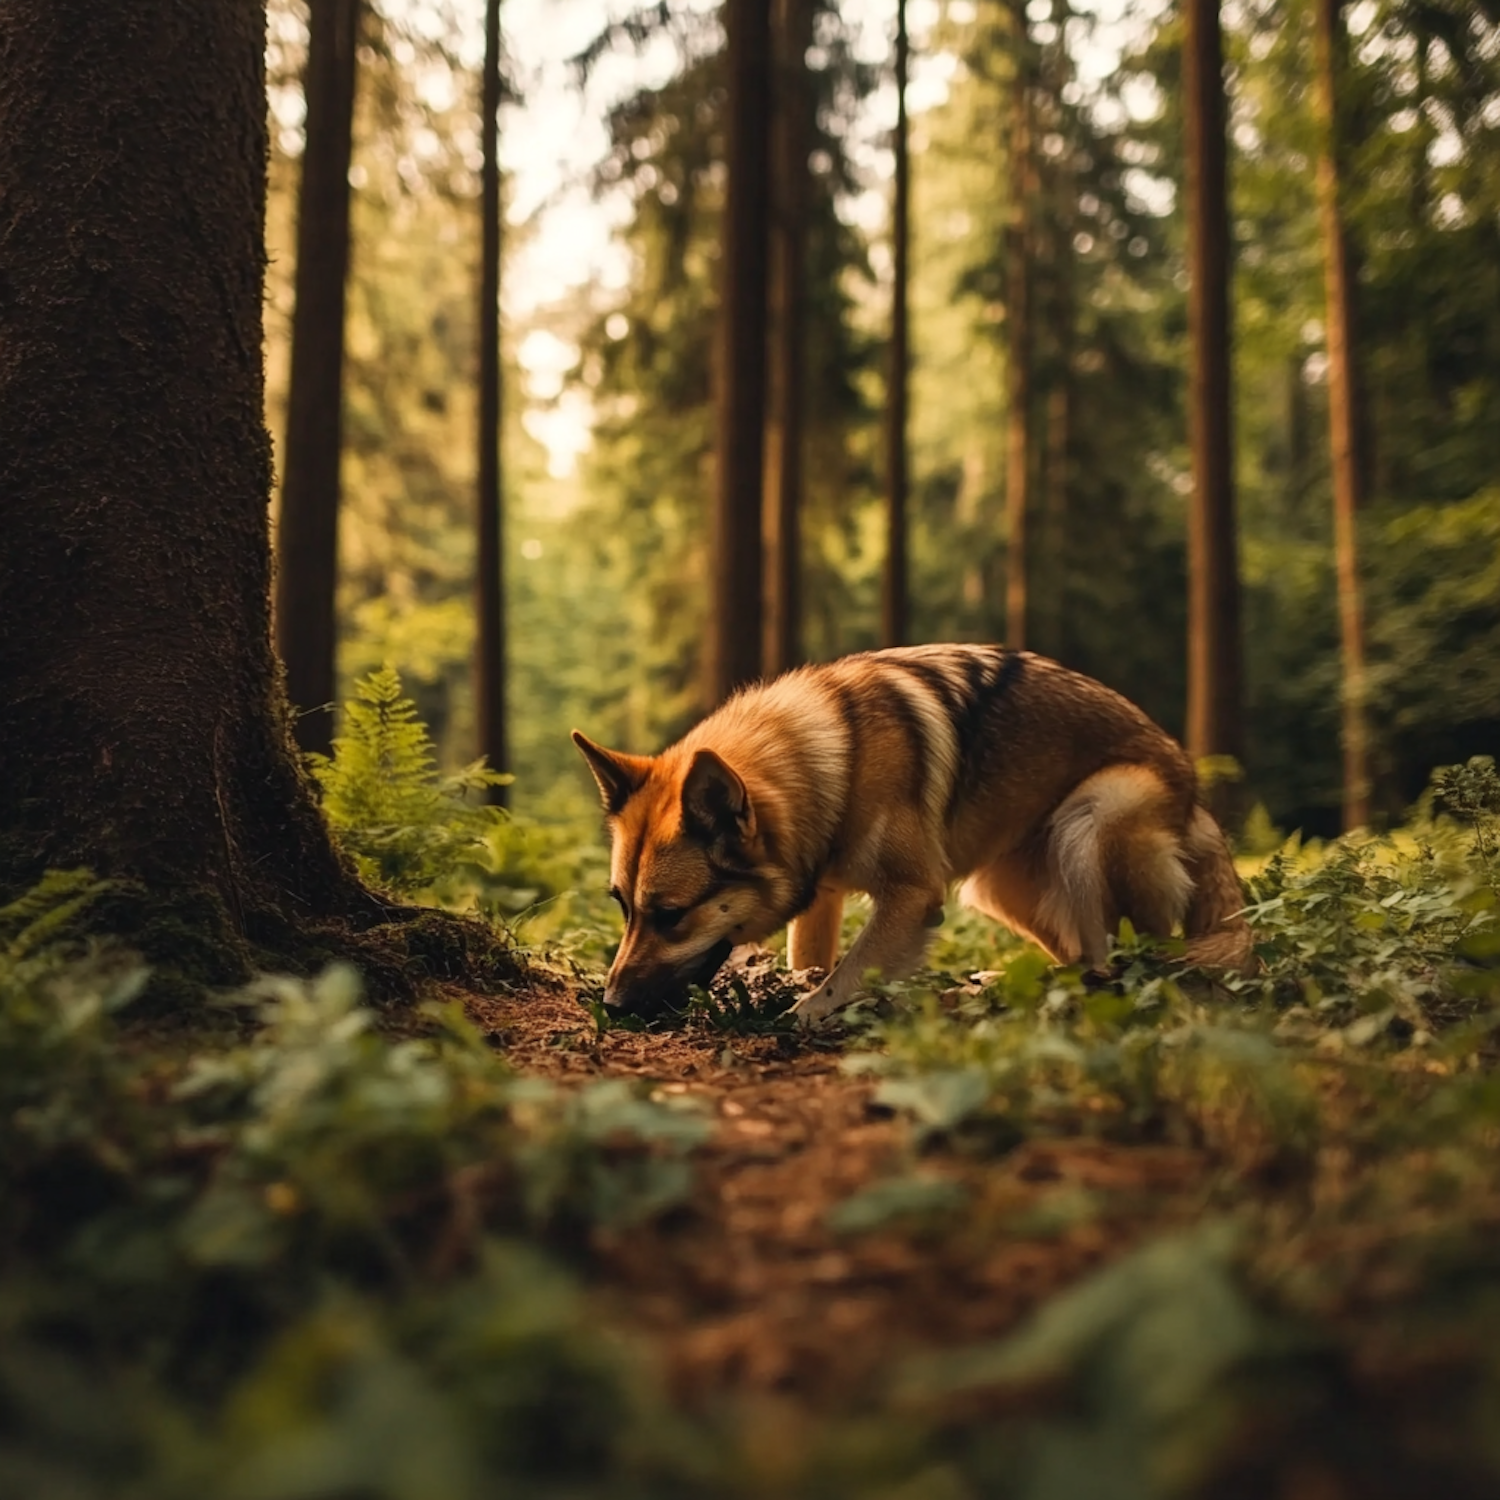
{"points": [[736, 605], [489, 602], [1019, 339], [895, 600], [1215, 724], [143, 727], [785, 435], [1343, 421], [307, 532]]}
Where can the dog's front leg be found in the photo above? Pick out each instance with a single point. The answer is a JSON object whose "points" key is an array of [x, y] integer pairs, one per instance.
{"points": [[892, 942], [813, 940]]}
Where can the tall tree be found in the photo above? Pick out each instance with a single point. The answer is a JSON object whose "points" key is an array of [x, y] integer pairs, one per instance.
{"points": [[736, 605], [307, 537], [895, 601], [1018, 358], [784, 468], [145, 725], [490, 675], [1058, 191], [1343, 418], [1215, 722]]}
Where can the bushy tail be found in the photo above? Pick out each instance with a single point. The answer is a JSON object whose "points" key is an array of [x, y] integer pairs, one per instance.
{"points": [[1217, 935]]}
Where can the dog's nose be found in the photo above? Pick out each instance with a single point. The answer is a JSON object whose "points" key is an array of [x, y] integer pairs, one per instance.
{"points": [[635, 996]]}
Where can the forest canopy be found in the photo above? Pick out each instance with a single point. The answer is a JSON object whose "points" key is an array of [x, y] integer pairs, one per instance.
{"points": [[609, 533]]}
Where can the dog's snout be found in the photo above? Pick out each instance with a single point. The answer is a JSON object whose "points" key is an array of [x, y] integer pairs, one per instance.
{"points": [[648, 992]]}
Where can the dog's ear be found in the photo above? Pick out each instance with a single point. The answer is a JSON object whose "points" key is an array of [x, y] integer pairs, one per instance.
{"points": [[715, 804], [619, 775]]}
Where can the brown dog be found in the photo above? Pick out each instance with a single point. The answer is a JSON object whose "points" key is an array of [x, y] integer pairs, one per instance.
{"points": [[1059, 804]]}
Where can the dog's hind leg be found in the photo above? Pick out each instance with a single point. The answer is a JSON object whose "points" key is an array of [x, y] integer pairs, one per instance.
{"points": [[1010, 890]]}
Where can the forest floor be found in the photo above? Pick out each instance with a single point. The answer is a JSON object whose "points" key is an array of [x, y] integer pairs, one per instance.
{"points": [[750, 1289]]}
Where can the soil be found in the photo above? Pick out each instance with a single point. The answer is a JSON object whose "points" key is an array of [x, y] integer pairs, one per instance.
{"points": [[748, 1290]]}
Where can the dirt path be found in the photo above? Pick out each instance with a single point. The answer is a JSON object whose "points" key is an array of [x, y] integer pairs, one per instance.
{"points": [[748, 1289]]}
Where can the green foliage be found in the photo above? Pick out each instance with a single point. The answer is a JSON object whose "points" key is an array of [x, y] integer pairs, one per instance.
{"points": [[307, 1263], [1152, 1344], [1343, 1104], [405, 824]]}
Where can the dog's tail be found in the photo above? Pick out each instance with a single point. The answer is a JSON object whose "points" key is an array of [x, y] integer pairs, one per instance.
{"points": [[1218, 934]]}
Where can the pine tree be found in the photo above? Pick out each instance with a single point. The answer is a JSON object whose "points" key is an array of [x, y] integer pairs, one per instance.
{"points": [[784, 468], [1343, 420], [1018, 358], [490, 675], [895, 623], [1215, 724], [307, 536], [145, 722], [736, 599]]}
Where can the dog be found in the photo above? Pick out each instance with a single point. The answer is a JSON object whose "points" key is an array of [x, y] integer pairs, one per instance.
{"points": [[1059, 805]]}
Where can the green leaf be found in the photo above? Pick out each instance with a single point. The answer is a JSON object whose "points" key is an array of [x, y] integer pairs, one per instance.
{"points": [[916, 1196], [939, 1100]]}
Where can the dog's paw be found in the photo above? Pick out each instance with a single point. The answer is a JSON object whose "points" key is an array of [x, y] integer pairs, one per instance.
{"points": [[816, 1007]]}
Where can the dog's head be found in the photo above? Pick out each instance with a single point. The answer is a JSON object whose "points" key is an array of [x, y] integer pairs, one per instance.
{"points": [[686, 866]]}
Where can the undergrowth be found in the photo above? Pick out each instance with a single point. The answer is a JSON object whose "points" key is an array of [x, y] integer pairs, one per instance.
{"points": [[315, 1262], [1344, 1106], [305, 1259]]}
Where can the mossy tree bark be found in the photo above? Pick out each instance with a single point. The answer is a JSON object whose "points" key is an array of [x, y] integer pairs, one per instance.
{"points": [[143, 725]]}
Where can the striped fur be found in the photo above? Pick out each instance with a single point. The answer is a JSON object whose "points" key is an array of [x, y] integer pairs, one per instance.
{"points": [[1059, 805]]}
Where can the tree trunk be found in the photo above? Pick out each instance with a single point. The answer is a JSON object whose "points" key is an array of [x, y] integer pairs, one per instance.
{"points": [[1061, 198], [307, 536], [489, 602], [1018, 328], [783, 532], [144, 723], [1215, 725], [1343, 423], [1055, 516], [736, 604], [895, 622]]}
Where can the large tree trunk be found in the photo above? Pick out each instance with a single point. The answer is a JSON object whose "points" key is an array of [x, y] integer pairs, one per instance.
{"points": [[143, 728], [1343, 423], [489, 602], [895, 610], [783, 531], [307, 535], [1215, 724], [735, 608], [1019, 340]]}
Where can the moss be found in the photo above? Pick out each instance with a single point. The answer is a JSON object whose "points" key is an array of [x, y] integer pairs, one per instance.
{"points": [[432, 944], [194, 947]]}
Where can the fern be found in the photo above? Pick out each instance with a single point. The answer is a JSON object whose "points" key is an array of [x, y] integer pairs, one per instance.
{"points": [[405, 824], [44, 913]]}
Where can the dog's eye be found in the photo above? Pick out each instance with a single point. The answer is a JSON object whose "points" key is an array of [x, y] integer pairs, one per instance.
{"points": [[665, 918]]}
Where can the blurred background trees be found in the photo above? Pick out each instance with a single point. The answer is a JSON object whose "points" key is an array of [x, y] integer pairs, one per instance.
{"points": [[1048, 283]]}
